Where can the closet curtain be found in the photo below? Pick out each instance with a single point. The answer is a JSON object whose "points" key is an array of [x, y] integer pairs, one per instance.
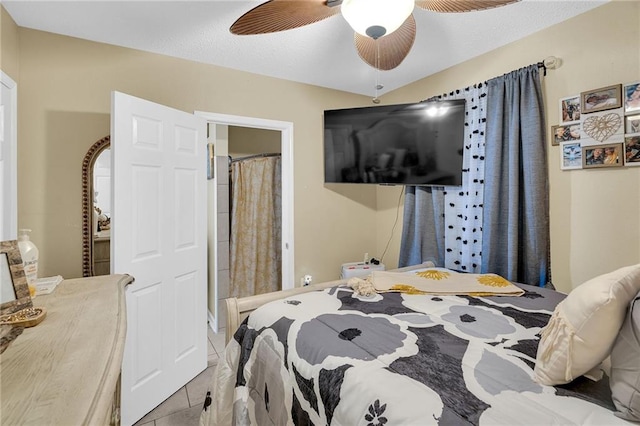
{"points": [[516, 242], [256, 227], [444, 224]]}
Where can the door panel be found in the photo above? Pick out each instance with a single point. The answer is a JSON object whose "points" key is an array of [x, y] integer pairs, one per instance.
{"points": [[159, 237]]}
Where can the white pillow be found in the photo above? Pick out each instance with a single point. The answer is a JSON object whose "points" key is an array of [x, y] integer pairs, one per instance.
{"points": [[625, 366], [584, 326]]}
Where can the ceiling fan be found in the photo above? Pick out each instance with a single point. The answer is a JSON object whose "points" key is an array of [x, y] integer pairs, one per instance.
{"points": [[384, 29]]}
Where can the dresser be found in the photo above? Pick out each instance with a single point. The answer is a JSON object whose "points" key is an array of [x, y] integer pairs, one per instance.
{"points": [[66, 370], [102, 255]]}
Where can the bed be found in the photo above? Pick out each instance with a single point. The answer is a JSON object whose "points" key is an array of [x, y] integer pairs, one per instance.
{"points": [[325, 355]]}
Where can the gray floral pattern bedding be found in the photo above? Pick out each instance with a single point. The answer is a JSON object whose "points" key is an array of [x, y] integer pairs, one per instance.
{"points": [[331, 357]]}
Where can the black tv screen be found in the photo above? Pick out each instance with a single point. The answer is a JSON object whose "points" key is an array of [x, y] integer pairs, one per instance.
{"points": [[409, 144]]}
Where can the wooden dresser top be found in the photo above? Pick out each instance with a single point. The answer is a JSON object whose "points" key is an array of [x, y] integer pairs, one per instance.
{"points": [[65, 370]]}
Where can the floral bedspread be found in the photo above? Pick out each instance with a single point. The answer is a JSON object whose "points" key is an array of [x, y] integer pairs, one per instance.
{"points": [[333, 358]]}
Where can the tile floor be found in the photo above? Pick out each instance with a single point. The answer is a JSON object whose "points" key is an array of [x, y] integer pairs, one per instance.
{"points": [[183, 407]]}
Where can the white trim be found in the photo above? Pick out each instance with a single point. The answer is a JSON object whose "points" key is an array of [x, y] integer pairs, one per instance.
{"points": [[211, 320], [12, 179], [286, 131]]}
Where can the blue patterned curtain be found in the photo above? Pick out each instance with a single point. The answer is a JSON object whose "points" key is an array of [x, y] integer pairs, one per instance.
{"points": [[444, 224], [516, 200]]}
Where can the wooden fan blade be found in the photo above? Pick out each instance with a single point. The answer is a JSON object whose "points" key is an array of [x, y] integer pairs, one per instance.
{"points": [[454, 6], [393, 48], [281, 15]]}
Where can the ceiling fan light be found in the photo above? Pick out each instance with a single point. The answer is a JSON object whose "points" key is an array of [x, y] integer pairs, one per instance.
{"points": [[365, 14]]}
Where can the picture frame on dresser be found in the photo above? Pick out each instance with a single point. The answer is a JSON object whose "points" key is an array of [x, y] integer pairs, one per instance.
{"points": [[14, 290]]}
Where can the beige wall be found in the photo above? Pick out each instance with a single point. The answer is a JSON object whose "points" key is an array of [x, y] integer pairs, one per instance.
{"points": [[8, 46], [64, 106], [595, 224], [245, 141]]}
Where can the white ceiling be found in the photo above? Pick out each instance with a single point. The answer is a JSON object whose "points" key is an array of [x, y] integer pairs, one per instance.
{"points": [[321, 54]]}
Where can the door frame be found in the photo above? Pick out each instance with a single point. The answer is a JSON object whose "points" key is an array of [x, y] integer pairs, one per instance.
{"points": [[286, 145], [9, 225]]}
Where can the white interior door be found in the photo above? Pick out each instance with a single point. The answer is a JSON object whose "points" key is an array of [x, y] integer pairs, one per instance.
{"points": [[159, 237], [8, 159]]}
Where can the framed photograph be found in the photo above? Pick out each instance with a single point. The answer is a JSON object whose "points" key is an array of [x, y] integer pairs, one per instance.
{"points": [[632, 151], [14, 290], [609, 155], [631, 93], [602, 99], [570, 109], [571, 155], [565, 133], [632, 124]]}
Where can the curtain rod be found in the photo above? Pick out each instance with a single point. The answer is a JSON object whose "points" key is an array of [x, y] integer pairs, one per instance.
{"points": [[249, 157], [550, 62]]}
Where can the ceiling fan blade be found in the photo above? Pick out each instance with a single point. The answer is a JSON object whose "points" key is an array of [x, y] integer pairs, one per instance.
{"points": [[453, 6], [281, 15], [393, 48]]}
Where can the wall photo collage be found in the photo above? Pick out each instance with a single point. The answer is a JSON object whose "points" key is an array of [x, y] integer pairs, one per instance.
{"points": [[599, 128]]}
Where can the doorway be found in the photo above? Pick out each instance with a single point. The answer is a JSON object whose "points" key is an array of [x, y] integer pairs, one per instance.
{"points": [[218, 135], [255, 234]]}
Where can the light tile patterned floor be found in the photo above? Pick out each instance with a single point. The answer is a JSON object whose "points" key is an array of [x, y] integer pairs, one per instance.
{"points": [[183, 407]]}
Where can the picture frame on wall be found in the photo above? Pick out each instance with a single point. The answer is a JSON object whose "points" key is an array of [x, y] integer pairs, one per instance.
{"points": [[632, 150], [570, 109], [606, 155], [602, 127], [632, 124], [631, 93], [570, 155], [602, 99], [565, 133]]}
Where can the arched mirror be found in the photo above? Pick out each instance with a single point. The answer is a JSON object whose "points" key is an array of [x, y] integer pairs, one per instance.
{"points": [[96, 209]]}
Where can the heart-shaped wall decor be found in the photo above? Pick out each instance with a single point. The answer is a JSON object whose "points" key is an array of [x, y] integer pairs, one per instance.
{"points": [[602, 127]]}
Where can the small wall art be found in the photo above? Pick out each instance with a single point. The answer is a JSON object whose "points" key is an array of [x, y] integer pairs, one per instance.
{"points": [[632, 124], [631, 93], [602, 127], [632, 151], [570, 109], [602, 99], [571, 155], [565, 133], [608, 155]]}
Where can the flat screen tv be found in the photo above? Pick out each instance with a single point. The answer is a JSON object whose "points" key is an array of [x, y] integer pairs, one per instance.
{"points": [[409, 144]]}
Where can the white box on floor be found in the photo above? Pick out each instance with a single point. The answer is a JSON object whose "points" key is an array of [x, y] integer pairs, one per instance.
{"points": [[359, 269]]}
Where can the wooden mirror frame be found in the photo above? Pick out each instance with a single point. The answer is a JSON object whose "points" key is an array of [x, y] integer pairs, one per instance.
{"points": [[87, 203]]}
